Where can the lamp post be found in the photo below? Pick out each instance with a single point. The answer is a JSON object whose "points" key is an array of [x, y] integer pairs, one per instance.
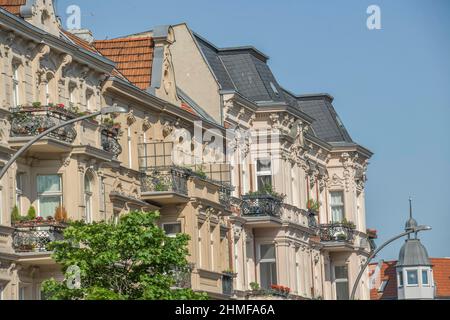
{"points": [[361, 272], [103, 111]]}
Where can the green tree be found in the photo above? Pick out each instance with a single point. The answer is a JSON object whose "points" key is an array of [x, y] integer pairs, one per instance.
{"points": [[130, 260]]}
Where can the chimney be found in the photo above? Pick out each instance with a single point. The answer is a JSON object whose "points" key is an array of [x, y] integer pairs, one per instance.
{"points": [[84, 34]]}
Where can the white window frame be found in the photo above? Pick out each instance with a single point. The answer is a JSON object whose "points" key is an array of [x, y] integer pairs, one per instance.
{"points": [[417, 277], [428, 284], [263, 173], [19, 190], [382, 286], [400, 279], [340, 205], [49, 193], [341, 280], [88, 195], [172, 235], [16, 83], [272, 260]]}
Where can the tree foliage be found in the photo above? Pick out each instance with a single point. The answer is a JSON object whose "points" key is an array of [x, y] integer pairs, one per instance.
{"points": [[130, 260]]}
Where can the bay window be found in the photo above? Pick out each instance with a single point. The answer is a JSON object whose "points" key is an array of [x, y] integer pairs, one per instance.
{"points": [[337, 206], [49, 194], [425, 281], [412, 278], [267, 265]]}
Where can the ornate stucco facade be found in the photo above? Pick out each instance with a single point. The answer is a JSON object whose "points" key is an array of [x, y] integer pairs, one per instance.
{"points": [[278, 201]]}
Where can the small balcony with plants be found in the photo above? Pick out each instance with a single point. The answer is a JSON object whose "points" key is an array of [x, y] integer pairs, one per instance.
{"points": [[29, 121], [166, 178], [265, 203], [33, 233], [275, 292], [165, 185], [342, 232]]}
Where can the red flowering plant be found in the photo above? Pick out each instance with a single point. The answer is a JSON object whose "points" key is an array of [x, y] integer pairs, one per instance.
{"points": [[39, 219], [61, 105], [281, 290], [372, 233]]}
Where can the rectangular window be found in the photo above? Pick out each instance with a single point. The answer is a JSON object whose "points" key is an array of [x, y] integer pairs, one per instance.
{"points": [[425, 277], [72, 90], [16, 84], [337, 206], [264, 174], [19, 190], [412, 277], [49, 194], [172, 229], [22, 293], [341, 279], [211, 246], [400, 279], [90, 100], [267, 265]]}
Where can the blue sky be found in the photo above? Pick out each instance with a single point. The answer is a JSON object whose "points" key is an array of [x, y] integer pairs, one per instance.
{"points": [[391, 86]]}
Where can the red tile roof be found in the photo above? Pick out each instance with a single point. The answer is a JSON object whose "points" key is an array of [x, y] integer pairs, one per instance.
{"points": [[441, 275], [79, 42], [133, 56], [12, 6]]}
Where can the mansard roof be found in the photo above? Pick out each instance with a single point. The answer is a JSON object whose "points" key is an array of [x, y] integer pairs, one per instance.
{"points": [[133, 57], [245, 70]]}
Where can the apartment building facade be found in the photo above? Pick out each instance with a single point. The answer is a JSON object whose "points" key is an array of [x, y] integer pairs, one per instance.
{"points": [[269, 185]]}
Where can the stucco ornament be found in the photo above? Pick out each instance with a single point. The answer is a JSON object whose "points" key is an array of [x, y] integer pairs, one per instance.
{"points": [[146, 124]]}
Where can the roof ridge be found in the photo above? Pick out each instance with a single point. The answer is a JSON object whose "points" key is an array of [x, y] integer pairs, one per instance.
{"points": [[125, 39]]}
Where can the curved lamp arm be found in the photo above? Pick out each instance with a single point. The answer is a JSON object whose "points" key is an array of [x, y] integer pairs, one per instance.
{"points": [[369, 259]]}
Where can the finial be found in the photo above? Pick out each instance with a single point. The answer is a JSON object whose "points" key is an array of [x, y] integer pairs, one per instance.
{"points": [[410, 207]]}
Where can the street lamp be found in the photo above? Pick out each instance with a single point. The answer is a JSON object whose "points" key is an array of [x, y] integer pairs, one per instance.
{"points": [[103, 111], [408, 231]]}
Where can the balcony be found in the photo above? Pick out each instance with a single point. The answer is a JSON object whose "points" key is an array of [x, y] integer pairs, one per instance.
{"points": [[257, 205], [165, 185], [34, 237], [110, 141], [28, 122], [337, 235]]}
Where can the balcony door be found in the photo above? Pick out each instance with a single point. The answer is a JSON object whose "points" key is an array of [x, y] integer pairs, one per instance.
{"points": [[267, 265]]}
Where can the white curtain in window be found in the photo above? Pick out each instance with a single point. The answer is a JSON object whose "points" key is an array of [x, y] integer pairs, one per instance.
{"points": [[48, 205], [337, 206], [50, 183]]}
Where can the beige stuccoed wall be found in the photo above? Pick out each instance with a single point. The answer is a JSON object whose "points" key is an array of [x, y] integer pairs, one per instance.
{"points": [[192, 73]]}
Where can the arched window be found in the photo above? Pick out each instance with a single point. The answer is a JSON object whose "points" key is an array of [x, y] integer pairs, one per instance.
{"points": [[88, 197]]}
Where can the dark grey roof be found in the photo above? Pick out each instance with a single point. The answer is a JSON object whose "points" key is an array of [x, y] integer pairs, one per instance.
{"points": [[413, 253], [328, 126], [245, 70], [216, 64]]}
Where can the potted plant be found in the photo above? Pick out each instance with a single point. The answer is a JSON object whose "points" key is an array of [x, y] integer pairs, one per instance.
{"points": [[36, 104], [31, 214], [348, 224], [313, 206], [15, 215], [254, 286], [61, 214]]}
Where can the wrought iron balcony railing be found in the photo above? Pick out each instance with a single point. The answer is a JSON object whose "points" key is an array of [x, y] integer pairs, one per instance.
{"points": [[34, 237], [31, 121], [261, 205], [227, 284], [165, 179], [110, 141], [182, 277], [336, 232], [225, 196]]}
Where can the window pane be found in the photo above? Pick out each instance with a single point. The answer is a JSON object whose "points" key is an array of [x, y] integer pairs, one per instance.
{"points": [[264, 182], [342, 292], [172, 228], [268, 272], [400, 278], [51, 183], [48, 205], [412, 277], [341, 272], [263, 165], [424, 277], [267, 252], [337, 214], [337, 198]]}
